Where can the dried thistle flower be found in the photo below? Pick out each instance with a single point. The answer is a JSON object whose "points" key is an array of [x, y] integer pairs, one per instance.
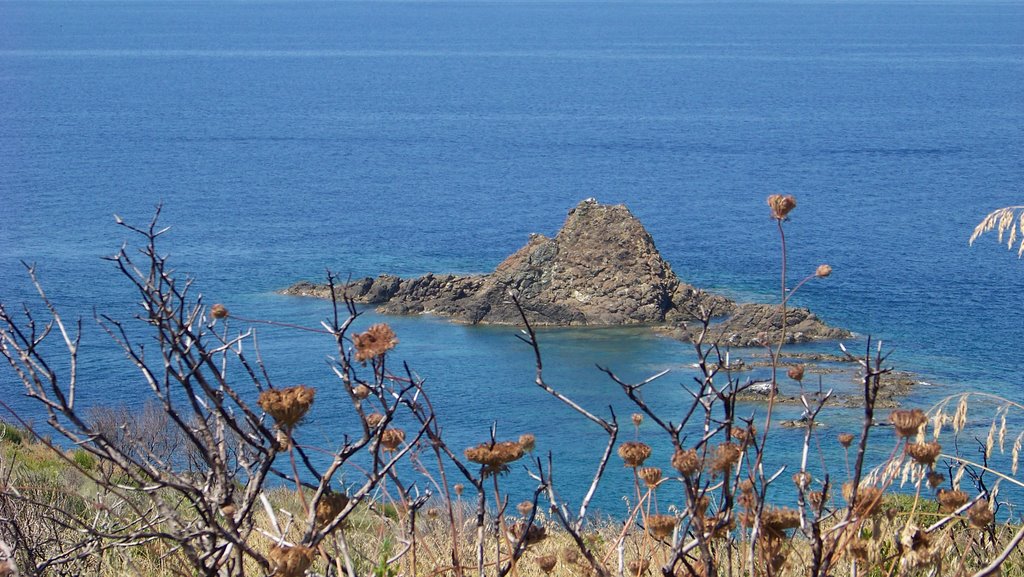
{"points": [[290, 561], [219, 311], [686, 461], [869, 499], [775, 521], [980, 515], [823, 271], [390, 439], [329, 507], [495, 457], [361, 392], [950, 501], [816, 498], [935, 479], [638, 567], [634, 453], [376, 341], [527, 442], [637, 419], [796, 372], [802, 479], [529, 533], [846, 439], [923, 453], [781, 205], [661, 526], [650, 475], [374, 419], [525, 508], [744, 435], [547, 563], [917, 549], [746, 486], [726, 455], [908, 422], [287, 406]]}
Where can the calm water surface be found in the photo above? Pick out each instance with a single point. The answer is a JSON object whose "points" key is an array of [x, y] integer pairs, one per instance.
{"points": [[285, 138]]}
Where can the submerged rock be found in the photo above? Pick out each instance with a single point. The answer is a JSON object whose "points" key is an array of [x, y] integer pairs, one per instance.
{"points": [[601, 269]]}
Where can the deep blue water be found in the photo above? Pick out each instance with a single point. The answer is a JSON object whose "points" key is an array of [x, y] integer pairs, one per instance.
{"points": [[288, 137]]}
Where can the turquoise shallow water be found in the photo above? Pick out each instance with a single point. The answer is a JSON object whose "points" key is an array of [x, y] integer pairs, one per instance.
{"points": [[288, 137]]}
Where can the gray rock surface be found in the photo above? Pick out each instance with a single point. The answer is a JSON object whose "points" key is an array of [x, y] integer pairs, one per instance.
{"points": [[601, 269]]}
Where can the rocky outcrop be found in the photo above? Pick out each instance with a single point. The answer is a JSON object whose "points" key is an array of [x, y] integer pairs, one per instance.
{"points": [[755, 324], [601, 269]]}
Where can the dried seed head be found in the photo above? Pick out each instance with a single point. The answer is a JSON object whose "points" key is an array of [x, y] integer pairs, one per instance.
{"points": [[361, 392], [746, 486], [376, 341], [329, 507], [390, 439], [495, 456], [219, 311], [638, 567], [935, 479], [726, 455], [802, 479], [781, 205], [917, 549], [374, 419], [775, 521], [527, 442], [907, 423], [923, 453], [846, 439], [950, 501], [816, 498], [287, 406], [525, 508], [869, 499], [547, 563], [650, 475], [744, 435], [570, 555], [458, 488], [980, 515], [823, 271], [634, 453], [661, 526], [796, 372], [858, 549], [686, 461], [530, 534], [290, 561], [637, 419]]}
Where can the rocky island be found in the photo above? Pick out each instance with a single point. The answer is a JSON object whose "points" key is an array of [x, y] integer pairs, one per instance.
{"points": [[601, 269]]}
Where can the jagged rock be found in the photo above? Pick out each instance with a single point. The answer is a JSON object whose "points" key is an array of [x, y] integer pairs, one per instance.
{"points": [[755, 324], [601, 269]]}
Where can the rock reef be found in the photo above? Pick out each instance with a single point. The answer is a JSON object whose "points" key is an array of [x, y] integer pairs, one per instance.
{"points": [[601, 269]]}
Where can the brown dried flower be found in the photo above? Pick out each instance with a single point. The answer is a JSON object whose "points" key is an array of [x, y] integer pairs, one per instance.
{"points": [[374, 419], [547, 563], [924, 453], [661, 526], [376, 341], [980, 515], [869, 499], [686, 461], [638, 567], [390, 439], [823, 271], [907, 423], [726, 455], [527, 442], [634, 453], [775, 521], [361, 392], [458, 488], [529, 533], [802, 479], [287, 406], [950, 501], [570, 555], [219, 311], [816, 498], [329, 506], [495, 456], [637, 419], [796, 372], [525, 508], [290, 561], [650, 475], [781, 205], [846, 439], [935, 479]]}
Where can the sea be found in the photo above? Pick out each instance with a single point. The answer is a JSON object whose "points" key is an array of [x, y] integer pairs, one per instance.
{"points": [[283, 139]]}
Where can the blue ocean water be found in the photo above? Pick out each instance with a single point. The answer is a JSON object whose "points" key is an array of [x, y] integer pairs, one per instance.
{"points": [[286, 138]]}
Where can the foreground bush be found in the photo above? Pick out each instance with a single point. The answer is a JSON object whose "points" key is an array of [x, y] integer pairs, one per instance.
{"points": [[214, 478]]}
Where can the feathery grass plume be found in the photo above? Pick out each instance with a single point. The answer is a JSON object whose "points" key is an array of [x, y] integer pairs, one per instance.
{"points": [[907, 422], [960, 417], [869, 499], [951, 500], [796, 372], [923, 453], [330, 506], [634, 453], [686, 461], [530, 534], [390, 439], [650, 475], [495, 456], [979, 515], [1006, 220], [528, 442], [1015, 453], [661, 526], [823, 271], [218, 311], [638, 567], [781, 205], [376, 341], [547, 563], [846, 439], [287, 406], [290, 561]]}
